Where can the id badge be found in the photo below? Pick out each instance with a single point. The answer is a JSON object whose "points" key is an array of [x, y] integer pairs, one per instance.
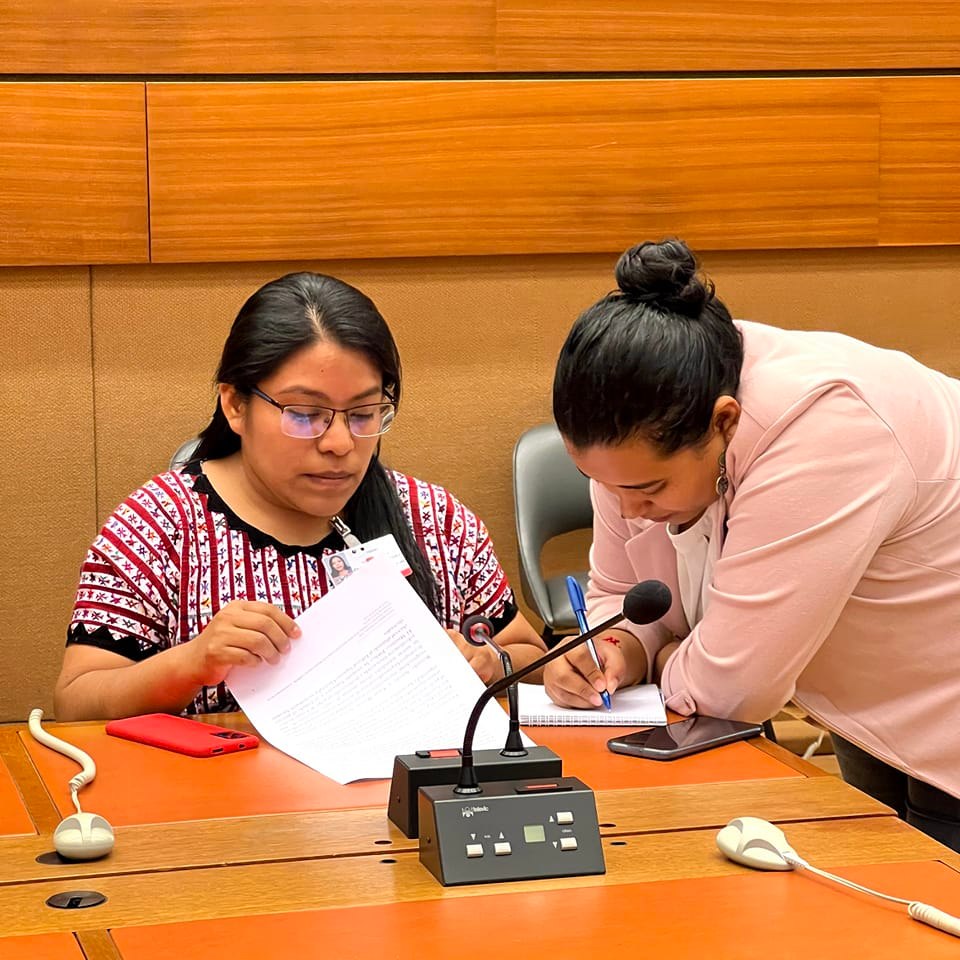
{"points": [[340, 565]]}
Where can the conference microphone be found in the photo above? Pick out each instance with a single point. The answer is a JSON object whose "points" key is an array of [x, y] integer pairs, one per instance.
{"points": [[644, 603], [478, 630], [526, 827], [435, 767]]}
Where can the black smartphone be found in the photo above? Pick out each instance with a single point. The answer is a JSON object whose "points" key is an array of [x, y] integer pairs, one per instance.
{"points": [[683, 737]]}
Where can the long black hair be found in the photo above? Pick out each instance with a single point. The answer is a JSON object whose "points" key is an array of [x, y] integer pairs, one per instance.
{"points": [[283, 317], [650, 359]]}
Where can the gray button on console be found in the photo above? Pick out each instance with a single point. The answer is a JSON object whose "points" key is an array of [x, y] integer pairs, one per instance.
{"points": [[502, 849], [568, 843], [564, 816], [474, 850]]}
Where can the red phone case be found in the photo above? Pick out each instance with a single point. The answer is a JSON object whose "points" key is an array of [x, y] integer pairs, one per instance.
{"points": [[182, 735]]}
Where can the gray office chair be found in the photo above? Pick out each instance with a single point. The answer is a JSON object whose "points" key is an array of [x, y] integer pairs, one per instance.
{"points": [[550, 497], [184, 452]]}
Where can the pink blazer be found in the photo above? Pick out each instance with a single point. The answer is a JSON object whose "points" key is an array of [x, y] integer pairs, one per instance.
{"points": [[838, 583]]}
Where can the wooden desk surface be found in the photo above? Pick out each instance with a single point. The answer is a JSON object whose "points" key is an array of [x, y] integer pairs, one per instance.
{"points": [[282, 887], [137, 784], [14, 818], [175, 812], [336, 833], [745, 915]]}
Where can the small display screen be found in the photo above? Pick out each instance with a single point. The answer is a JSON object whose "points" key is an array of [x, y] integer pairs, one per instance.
{"points": [[534, 833]]}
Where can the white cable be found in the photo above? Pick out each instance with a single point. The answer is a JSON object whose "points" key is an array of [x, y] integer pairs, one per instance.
{"points": [[917, 910], [86, 774], [814, 746], [934, 917], [802, 864]]}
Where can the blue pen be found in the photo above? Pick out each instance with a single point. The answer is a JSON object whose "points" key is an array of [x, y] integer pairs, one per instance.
{"points": [[580, 611]]}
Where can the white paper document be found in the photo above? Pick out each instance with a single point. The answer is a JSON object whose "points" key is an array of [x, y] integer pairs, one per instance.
{"points": [[640, 706], [373, 675]]}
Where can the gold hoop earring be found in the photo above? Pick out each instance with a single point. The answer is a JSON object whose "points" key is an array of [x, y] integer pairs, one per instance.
{"points": [[723, 481]]}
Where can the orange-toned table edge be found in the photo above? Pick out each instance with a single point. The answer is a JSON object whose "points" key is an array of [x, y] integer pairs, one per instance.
{"points": [[139, 784], [680, 918]]}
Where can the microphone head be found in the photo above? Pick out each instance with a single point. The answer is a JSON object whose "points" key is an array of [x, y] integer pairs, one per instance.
{"points": [[477, 630], [647, 602]]}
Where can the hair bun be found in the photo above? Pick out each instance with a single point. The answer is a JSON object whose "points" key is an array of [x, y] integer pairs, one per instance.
{"points": [[664, 275]]}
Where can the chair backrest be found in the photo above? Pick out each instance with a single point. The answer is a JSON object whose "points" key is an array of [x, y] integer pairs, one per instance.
{"points": [[184, 453], [551, 497]]}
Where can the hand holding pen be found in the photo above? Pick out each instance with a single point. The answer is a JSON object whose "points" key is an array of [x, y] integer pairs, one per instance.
{"points": [[575, 593]]}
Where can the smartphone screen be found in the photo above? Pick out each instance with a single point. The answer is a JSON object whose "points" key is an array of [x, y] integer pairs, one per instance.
{"points": [[683, 737]]}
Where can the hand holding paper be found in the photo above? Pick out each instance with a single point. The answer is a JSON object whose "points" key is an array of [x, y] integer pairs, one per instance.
{"points": [[373, 675]]}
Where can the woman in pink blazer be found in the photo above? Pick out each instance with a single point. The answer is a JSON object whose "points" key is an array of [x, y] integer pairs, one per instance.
{"points": [[800, 494]]}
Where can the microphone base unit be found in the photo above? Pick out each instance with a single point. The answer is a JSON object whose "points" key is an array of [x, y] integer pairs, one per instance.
{"points": [[428, 768], [514, 830]]}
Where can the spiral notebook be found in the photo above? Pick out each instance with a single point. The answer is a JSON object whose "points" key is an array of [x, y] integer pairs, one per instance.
{"points": [[640, 706]]}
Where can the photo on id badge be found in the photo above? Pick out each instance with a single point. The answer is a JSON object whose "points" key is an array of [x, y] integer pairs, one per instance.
{"points": [[339, 566]]}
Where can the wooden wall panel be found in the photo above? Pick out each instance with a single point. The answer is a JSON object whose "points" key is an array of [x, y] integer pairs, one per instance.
{"points": [[920, 160], [73, 183], [234, 36], [736, 35], [387, 36], [47, 474], [407, 168]]}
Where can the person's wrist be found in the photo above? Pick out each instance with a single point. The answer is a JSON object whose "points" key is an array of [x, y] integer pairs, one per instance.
{"points": [[188, 664], [661, 658]]}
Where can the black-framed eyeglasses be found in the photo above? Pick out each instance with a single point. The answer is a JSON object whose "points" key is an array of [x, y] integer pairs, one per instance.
{"points": [[305, 422]]}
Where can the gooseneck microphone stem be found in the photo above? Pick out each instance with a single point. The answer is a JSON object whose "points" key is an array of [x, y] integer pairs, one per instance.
{"points": [[514, 746], [468, 775], [478, 630]]}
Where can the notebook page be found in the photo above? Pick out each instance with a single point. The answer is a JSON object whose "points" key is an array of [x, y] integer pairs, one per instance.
{"points": [[640, 706]]}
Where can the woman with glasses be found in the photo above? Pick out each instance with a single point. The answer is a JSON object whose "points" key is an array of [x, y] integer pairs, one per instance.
{"points": [[205, 569], [800, 494]]}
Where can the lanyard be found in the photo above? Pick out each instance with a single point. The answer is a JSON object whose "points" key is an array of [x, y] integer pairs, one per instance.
{"points": [[348, 538]]}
